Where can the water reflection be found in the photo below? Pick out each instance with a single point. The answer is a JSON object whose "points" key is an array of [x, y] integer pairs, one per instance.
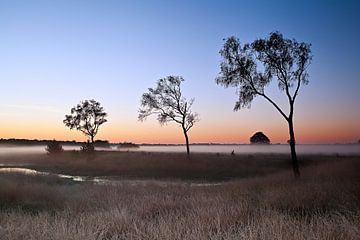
{"points": [[106, 180], [21, 170], [28, 171]]}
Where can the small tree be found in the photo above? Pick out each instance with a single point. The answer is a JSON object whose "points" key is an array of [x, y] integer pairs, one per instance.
{"points": [[283, 59], [167, 103], [259, 138], [86, 117]]}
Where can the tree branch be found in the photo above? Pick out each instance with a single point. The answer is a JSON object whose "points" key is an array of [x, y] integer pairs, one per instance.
{"points": [[298, 82]]}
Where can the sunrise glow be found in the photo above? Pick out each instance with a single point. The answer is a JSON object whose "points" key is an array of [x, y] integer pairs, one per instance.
{"points": [[55, 54]]}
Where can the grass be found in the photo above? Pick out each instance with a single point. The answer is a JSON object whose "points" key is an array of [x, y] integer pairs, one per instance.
{"points": [[145, 165], [323, 204]]}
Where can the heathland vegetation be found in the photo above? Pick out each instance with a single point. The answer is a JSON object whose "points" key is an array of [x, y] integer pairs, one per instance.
{"points": [[210, 197]]}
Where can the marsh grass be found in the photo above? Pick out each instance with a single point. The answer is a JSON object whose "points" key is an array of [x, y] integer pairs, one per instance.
{"points": [[201, 166], [323, 204]]}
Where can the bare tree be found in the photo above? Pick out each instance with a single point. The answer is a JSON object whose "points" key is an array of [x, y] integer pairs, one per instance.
{"points": [[251, 67], [86, 117], [167, 103]]}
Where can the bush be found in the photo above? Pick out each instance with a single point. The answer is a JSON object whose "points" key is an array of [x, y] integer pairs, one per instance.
{"points": [[88, 147], [54, 147], [102, 143], [259, 138]]}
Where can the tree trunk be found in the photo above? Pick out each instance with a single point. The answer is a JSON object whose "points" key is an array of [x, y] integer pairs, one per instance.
{"points": [[92, 139], [295, 162], [187, 142]]}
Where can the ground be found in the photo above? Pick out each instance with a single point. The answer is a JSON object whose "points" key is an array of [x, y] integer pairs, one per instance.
{"points": [[245, 197]]}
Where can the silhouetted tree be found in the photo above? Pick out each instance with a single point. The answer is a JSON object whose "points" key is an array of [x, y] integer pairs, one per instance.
{"points": [[252, 66], [167, 103], [259, 138], [86, 117]]}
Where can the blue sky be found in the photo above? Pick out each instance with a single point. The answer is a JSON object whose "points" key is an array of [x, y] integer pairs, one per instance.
{"points": [[56, 53]]}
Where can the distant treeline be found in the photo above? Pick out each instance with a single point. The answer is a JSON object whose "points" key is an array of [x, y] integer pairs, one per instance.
{"points": [[98, 143], [182, 144], [34, 142], [126, 145]]}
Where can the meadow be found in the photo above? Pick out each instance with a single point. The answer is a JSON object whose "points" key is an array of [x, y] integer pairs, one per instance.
{"points": [[154, 196]]}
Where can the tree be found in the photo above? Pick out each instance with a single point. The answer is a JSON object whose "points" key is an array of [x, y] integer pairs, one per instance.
{"points": [[86, 117], [251, 68], [167, 103], [259, 138]]}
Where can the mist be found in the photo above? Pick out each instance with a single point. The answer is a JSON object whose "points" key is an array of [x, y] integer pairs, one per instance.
{"points": [[303, 149]]}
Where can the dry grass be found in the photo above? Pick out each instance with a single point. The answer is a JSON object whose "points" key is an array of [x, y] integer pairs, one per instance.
{"points": [[324, 204], [145, 165]]}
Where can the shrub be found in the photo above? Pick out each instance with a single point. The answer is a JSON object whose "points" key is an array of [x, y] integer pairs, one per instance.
{"points": [[54, 147], [259, 138], [87, 147]]}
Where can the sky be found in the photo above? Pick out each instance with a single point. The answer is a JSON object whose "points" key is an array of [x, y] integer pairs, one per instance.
{"points": [[54, 54]]}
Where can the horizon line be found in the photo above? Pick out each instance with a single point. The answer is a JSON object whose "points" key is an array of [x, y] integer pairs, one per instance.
{"points": [[3, 141]]}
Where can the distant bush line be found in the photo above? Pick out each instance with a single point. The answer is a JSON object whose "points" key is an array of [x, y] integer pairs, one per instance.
{"points": [[36, 142], [31, 142]]}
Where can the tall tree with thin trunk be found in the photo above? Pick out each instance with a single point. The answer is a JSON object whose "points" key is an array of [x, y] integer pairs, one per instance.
{"points": [[166, 101], [86, 117], [251, 67]]}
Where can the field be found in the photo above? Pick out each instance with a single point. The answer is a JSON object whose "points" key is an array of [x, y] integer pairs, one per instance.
{"points": [[167, 196]]}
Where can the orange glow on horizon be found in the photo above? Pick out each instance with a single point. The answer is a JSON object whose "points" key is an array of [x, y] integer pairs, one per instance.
{"points": [[172, 134]]}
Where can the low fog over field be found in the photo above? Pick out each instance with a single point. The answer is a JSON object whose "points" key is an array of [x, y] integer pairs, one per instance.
{"points": [[327, 149]]}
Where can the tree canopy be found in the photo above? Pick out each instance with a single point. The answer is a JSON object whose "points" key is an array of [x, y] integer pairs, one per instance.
{"points": [[259, 138], [251, 67], [87, 116]]}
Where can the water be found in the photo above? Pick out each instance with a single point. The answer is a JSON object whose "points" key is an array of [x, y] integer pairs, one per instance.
{"points": [[328, 149], [28, 171], [103, 180]]}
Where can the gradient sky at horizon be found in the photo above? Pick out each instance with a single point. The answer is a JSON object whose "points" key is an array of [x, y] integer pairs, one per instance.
{"points": [[54, 54]]}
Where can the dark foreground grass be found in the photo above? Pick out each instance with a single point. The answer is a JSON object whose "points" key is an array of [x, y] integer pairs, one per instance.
{"points": [[323, 204]]}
